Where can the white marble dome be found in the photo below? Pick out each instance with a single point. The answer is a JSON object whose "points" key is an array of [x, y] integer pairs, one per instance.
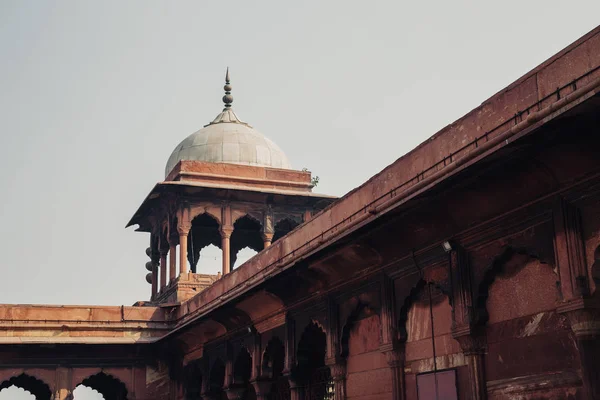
{"points": [[228, 140]]}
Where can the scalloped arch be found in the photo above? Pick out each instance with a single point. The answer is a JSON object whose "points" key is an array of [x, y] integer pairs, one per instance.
{"points": [[37, 387]]}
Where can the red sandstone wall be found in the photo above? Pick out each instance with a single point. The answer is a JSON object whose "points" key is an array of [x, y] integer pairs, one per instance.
{"points": [[368, 375], [419, 346]]}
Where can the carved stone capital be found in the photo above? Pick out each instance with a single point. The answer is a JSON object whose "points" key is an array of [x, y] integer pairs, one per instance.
{"points": [[183, 229], [226, 233], [395, 358], [236, 392], [262, 387], [585, 322], [471, 343], [338, 371], [266, 236]]}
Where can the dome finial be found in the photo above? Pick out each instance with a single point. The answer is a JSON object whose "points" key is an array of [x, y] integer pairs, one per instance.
{"points": [[228, 98]]}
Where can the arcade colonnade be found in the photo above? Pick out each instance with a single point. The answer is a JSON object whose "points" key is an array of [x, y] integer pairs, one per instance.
{"points": [[59, 383], [187, 231]]}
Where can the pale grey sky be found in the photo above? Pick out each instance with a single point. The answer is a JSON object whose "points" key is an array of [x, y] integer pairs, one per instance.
{"points": [[95, 95]]}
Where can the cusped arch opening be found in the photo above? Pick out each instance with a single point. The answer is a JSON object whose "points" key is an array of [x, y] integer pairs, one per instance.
{"points": [[507, 264], [108, 386], [419, 294], [273, 358], [312, 349], [204, 232], [25, 385], [193, 380], [246, 239], [217, 380], [283, 227], [242, 367]]}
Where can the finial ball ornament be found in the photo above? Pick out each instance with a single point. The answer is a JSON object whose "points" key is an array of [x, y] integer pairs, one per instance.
{"points": [[227, 87], [149, 277], [228, 99]]}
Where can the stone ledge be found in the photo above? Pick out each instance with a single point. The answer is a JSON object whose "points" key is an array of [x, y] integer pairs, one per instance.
{"points": [[532, 383]]}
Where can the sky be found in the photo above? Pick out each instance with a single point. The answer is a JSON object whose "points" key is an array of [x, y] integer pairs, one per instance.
{"points": [[96, 94]]}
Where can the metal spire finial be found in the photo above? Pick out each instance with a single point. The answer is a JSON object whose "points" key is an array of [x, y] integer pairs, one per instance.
{"points": [[228, 98]]}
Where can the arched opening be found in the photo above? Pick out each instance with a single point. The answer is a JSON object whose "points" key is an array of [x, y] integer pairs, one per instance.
{"points": [[272, 368], [83, 392], [193, 380], [203, 233], [24, 387], [109, 388], [242, 370], [217, 380], [244, 255], [311, 371], [283, 227], [246, 234], [507, 265]]}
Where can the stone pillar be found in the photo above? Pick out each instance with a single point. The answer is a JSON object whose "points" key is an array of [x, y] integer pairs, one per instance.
{"points": [[225, 236], [183, 236], [262, 388], [395, 360], [585, 324], [338, 373], [172, 261], [154, 281], [163, 268], [473, 347], [296, 390], [267, 239], [307, 215], [236, 392], [63, 384], [154, 257]]}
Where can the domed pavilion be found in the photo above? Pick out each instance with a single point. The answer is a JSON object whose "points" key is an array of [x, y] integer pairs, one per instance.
{"points": [[225, 185]]}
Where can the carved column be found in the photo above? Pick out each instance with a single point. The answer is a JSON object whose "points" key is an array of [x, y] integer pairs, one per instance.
{"points": [[267, 239], [296, 391], [154, 259], [163, 267], [172, 258], [395, 360], [225, 248], [307, 215], [570, 251], [470, 337], [183, 231], [473, 347], [63, 384], [262, 388], [584, 317], [338, 374], [393, 350], [337, 365]]}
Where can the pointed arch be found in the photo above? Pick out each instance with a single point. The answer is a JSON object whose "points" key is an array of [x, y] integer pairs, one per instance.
{"points": [[246, 233], [418, 294], [193, 380], [356, 314], [283, 227], [242, 367], [108, 386], [510, 261], [35, 386], [204, 232], [216, 379], [273, 359], [312, 349]]}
